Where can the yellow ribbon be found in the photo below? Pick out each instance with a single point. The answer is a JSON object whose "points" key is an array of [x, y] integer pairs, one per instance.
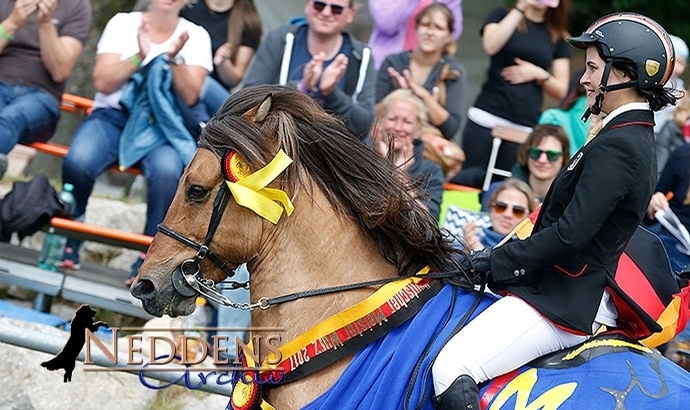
{"points": [[251, 192]]}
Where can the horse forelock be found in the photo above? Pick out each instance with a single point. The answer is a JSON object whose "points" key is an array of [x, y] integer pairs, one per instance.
{"points": [[355, 180]]}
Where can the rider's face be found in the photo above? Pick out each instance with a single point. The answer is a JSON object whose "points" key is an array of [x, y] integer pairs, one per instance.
{"points": [[591, 80]]}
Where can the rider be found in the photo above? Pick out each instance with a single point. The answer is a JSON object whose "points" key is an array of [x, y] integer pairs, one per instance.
{"points": [[557, 285]]}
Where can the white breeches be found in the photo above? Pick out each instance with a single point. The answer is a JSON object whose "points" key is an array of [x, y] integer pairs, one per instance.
{"points": [[505, 336]]}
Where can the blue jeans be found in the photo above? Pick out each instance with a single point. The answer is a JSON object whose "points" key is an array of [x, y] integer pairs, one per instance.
{"points": [[213, 95], [94, 149], [27, 114]]}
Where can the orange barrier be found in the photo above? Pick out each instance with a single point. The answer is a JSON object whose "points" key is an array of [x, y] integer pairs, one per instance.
{"points": [[59, 150], [50, 148], [75, 103], [449, 186], [89, 232]]}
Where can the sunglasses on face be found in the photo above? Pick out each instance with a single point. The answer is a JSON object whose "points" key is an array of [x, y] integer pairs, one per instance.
{"points": [[500, 207], [336, 9], [551, 155]]}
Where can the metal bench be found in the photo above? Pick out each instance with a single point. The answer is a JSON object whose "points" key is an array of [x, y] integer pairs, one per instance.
{"points": [[17, 267], [45, 283], [103, 296]]}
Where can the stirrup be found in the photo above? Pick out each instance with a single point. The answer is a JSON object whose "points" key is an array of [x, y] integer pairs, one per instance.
{"points": [[463, 394]]}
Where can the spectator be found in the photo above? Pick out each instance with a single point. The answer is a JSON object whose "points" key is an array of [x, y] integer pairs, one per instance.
{"points": [[323, 61], [529, 56], [39, 44], [673, 134], [428, 70], [137, 48], [539, 160], [401, 116], [509, 204], [568, 114], [235, 30], [665, 115], [542, 157], [394, 28], [672, 193]]}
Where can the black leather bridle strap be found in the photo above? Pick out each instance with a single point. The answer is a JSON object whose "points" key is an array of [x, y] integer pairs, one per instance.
{"points": [[203, 250]]}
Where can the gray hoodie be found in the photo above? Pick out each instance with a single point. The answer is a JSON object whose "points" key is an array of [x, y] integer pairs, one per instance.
{"points": [[354, 106]]}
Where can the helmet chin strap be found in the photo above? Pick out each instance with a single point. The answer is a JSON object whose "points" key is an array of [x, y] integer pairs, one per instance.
{"points": [[603, 89]]}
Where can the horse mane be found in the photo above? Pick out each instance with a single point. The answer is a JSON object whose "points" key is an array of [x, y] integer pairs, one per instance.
{"points": [[355, 179]]}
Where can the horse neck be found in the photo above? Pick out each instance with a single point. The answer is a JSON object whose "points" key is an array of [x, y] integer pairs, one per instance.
{"points": [[314, 248]]}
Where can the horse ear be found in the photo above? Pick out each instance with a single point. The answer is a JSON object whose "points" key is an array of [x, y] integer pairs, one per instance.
{"points": [[264, 108], [259, 113]]}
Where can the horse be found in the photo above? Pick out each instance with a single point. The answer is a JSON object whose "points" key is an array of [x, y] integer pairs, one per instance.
{"points": [[333, 235]]}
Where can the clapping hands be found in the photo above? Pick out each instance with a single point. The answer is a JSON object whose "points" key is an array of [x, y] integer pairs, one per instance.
{"points": [[406, 81], [326, 79]]}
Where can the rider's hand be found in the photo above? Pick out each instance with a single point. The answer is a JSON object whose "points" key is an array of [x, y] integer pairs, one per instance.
{"points": [[476, 266], [480, 260]]}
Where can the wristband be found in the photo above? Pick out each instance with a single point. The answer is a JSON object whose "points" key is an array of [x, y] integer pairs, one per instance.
{"points": [[520, 10], [135, 60], [4, 34], [302, 88]]}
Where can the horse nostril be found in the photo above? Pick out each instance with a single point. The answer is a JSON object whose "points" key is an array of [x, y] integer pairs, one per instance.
{"points": [[143, 289]]}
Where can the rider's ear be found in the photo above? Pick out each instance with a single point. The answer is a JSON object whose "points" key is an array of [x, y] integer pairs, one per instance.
{"points": [[259, 113]]}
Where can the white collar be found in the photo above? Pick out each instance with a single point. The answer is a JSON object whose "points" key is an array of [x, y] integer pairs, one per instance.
{"points": [[625, 108]]}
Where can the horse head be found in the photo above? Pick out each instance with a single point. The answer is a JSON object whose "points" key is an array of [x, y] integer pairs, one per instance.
{"points": [[267, 150]]}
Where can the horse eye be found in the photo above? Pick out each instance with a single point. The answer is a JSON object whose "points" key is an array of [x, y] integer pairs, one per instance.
{"points": [[197, 192]]}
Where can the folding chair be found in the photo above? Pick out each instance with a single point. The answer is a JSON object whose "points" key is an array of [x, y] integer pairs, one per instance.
{"points": [[501, 133]]}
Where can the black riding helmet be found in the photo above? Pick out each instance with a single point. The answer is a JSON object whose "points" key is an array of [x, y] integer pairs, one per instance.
{"points": [[633, 38]]}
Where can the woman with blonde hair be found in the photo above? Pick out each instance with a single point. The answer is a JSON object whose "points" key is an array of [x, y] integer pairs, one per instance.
{"points": [[400, 119]]}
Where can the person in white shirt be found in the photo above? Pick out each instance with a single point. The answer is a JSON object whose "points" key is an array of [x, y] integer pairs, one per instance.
{"points": [[129, 44]]}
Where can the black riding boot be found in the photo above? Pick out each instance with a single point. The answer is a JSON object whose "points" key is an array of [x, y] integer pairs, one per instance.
{"points": [[463, 394]]}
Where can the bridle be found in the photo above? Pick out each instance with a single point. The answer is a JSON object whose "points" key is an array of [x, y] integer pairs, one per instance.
{"points": [[187, 278]]}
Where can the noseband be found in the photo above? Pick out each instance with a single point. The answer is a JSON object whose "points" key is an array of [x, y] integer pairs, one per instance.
{"points": [[187, 278]]}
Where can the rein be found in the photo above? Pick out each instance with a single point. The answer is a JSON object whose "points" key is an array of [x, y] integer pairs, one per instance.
{"points": [[188, 280]]}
